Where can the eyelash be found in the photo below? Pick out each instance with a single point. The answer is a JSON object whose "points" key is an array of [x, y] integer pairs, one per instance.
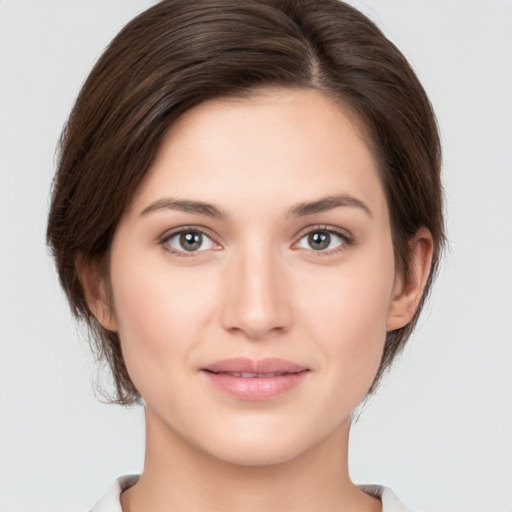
{"points": [[346, 240]]}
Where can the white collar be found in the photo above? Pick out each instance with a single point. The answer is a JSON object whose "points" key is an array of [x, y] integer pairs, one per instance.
{"points": [[111, 500]]}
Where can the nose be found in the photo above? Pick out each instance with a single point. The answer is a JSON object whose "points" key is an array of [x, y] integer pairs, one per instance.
{"points": [[257, 299]]}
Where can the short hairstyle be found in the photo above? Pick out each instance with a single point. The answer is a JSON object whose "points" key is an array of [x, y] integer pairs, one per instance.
{"points": [[179, 54]]}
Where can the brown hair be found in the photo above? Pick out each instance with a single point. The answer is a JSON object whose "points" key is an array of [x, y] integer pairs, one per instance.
{"points": [[178, 54]]}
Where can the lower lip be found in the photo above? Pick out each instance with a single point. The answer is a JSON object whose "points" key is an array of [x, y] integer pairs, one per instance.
{"points": [[256, 388]]}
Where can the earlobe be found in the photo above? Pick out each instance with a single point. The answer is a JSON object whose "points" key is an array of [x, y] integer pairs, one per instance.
{"points": [[96, 292], [407, 294]]}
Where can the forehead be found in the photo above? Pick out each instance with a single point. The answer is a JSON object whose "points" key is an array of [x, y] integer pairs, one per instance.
{"points": [[276, 144]]}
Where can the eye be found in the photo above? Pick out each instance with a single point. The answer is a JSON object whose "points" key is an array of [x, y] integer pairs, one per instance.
{"points": [[322, 240], [190, 240]]}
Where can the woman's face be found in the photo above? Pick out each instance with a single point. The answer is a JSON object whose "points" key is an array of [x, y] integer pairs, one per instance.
{"points": [[253, 277]]}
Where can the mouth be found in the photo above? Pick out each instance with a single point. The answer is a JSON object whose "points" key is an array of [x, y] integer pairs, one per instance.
{"points": [[248, 375], [248, 379]]}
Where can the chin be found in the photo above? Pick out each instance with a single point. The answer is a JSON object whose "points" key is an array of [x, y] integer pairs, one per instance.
{"points": [[263, 443], [257, 455]]}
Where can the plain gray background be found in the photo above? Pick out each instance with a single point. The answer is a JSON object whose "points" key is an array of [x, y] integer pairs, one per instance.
{"points": [[438, 431]]}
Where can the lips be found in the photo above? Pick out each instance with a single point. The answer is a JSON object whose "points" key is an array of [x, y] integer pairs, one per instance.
{"points": [[249, 379], [249, 375]]}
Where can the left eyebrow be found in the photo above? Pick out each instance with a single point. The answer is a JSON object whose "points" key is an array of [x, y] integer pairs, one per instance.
{"points": [[328, 203], [187, 206]]}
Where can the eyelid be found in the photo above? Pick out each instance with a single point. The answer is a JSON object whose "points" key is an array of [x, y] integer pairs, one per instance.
{"points": [[164, 239], [347, 238]]}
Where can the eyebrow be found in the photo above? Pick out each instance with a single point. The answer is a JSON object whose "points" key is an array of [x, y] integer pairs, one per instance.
{"points": [[299, 210], [328, 203], [196, 207]]}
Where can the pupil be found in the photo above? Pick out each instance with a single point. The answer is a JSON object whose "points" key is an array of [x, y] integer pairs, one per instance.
{"points": [[191, 241], [319, 240]]}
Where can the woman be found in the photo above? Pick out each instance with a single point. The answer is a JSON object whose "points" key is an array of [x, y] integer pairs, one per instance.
{"points": [[248, 214]]}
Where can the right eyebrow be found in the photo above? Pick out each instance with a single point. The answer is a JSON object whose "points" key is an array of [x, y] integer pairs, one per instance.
{"points": [[328, 203], [187, 206]]}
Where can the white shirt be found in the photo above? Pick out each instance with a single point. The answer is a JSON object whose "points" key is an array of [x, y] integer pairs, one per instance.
{"points": [[111, 500]]}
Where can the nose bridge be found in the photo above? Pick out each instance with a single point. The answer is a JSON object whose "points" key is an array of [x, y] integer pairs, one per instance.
{"points": [[257, 299]]}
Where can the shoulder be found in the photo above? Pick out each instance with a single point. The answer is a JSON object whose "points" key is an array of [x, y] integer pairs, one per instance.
{"points": [[110, 502], [390, 502]]}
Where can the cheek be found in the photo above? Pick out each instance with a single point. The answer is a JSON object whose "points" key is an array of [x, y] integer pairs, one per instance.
{"points": [[348, 314], [159, 314]]}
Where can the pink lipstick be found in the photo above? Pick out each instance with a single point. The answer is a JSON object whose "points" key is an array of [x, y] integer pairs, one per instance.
{"points": [[249, 379]]}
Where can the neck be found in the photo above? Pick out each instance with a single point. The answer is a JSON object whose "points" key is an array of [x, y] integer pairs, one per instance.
{"points": [[178, 476]]}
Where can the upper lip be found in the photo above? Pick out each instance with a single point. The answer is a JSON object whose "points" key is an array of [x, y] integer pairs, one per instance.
{"points": [[269, 365]]}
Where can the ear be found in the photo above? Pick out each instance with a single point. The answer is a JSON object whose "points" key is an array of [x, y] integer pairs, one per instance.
{"points": [[407, 294], [96, 291]]}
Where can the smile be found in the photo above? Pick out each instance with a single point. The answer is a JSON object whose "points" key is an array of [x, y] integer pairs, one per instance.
{"points": [[247, 375], [247, 379]]}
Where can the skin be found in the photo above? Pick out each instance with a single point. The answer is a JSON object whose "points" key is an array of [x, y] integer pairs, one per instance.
{"points": [[256, 288]]}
